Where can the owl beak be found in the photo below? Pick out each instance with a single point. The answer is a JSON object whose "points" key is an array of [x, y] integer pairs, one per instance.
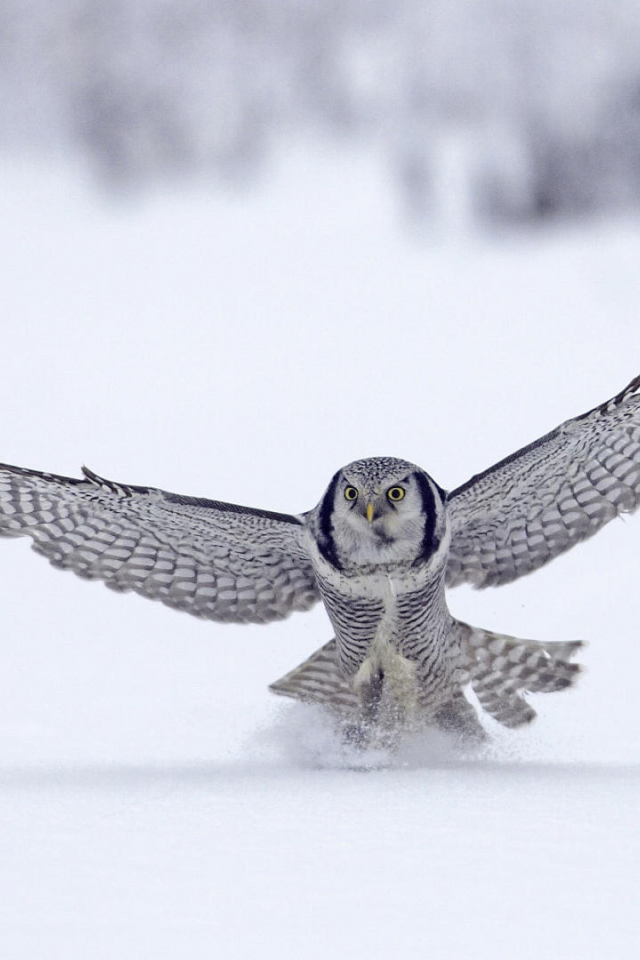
{"points": [[369, 512]]}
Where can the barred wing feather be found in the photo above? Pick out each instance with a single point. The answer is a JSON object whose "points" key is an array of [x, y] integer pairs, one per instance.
{"points": [[214, 560], [542, 500]]}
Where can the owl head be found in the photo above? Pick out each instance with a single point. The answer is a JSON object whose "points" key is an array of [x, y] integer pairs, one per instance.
{"points": [[380, 510]]}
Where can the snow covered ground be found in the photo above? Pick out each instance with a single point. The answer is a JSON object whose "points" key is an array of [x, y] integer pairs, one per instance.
{"points": [[155, 800]]}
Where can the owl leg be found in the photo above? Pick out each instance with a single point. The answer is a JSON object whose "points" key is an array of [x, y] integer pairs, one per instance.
{"points": [[370, 697], [364, 728], [386, 703], [459, 717]]}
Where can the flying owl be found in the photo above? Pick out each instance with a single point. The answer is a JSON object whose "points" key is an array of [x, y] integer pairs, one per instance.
{"points": [[378, 550]]}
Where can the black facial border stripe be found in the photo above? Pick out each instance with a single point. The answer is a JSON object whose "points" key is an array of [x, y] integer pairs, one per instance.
{"points": [[430, 541], [326, 542]]}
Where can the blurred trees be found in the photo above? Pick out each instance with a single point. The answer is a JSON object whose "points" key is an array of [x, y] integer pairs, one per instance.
{"points": [[499, 109]]}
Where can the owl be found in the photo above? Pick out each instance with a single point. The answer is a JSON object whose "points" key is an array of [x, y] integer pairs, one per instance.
{"points": [[379, 551]]}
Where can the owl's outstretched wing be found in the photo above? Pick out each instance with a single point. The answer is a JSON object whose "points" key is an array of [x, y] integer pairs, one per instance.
{"points": [[545, 498], [215, 560]]}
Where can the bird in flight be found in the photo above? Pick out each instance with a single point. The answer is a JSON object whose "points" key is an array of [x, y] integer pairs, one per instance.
{"points": [[378, 551]]}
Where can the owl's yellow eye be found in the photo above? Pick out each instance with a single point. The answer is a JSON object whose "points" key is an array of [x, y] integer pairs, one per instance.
{"points": [[395, 493], [350, 493]]}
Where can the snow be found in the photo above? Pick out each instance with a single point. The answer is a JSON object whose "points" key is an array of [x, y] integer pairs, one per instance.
{"points": [[155, 800]]}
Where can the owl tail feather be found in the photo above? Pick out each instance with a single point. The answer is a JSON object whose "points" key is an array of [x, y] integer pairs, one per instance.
{"points": [[318, 680], [501, 669]]}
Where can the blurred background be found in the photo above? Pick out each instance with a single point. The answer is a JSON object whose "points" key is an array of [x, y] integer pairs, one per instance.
{"points": [[529, 110]]}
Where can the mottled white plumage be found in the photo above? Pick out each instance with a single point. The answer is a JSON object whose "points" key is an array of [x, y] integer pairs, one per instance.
{"points": [[378, 550]]}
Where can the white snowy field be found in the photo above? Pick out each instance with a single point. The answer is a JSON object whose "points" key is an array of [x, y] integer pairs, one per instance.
{"points": [[155, 800]]}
